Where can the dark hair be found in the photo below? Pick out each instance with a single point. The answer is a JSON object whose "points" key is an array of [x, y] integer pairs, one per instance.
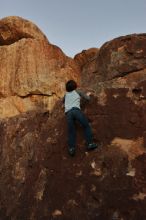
{"points": [[71, 85]]}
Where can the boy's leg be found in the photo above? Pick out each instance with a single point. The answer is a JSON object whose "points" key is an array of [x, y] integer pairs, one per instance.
{"points": [[87, 130], [71, 132], [84, 122]]}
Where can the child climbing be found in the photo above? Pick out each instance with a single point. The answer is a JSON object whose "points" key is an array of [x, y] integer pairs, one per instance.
{"points": [[73, 113]]}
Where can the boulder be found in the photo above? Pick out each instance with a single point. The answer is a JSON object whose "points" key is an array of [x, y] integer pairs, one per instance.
{"points": [[119, 63], [86, 56], [44, 182], [33, 71], [122, 56], [13, 29], [87, 61]]}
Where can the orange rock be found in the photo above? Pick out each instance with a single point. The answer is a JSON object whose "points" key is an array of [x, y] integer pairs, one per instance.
{"points": [[86, 56], [87, 61], [30, 65]]}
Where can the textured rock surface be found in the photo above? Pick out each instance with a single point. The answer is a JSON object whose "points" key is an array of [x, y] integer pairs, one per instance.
{"points": [[33, 72], [87, 61], [38, 179], [45, 183], [15, 28], [122, 56], [86, 56], [119, 63]]}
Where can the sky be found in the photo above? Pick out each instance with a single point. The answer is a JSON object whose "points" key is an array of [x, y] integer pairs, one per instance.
{"points": [[76, 25]]}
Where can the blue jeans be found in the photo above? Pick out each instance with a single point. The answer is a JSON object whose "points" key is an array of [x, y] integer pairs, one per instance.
{"points": [[75, 114]]}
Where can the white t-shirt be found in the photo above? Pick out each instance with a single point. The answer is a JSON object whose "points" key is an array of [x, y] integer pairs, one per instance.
{"points": [[72, 99]]}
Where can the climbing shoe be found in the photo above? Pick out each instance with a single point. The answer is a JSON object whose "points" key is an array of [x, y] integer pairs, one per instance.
{"points": [[71, 151], [92, 146]]}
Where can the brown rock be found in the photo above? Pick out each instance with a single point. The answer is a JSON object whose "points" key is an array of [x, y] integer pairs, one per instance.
{"points": [[119, 63], [122, 56], [32, 169], [86, 56], [87, 60]]}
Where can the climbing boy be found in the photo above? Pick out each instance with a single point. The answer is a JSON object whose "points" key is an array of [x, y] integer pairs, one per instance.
{"points": [[73, 113]]}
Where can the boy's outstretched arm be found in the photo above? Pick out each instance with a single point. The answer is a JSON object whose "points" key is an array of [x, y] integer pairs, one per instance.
{"points": [[84, 95]]}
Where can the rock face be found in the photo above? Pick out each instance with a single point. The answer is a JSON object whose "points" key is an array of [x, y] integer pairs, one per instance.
{"points": [[122, 56], [38, 179], [13, 29], [86, 56], [43, 182], [87, 61], [33, 71]]}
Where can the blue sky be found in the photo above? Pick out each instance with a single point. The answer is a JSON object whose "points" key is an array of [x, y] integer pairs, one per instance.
{"points": [[75, 25]]}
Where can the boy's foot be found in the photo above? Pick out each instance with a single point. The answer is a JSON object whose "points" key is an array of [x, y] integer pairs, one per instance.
{"points": [[92, 146], [71, 151]]}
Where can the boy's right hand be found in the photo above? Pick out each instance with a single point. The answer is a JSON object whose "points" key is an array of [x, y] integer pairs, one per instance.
{"points": [[88, 93]]}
